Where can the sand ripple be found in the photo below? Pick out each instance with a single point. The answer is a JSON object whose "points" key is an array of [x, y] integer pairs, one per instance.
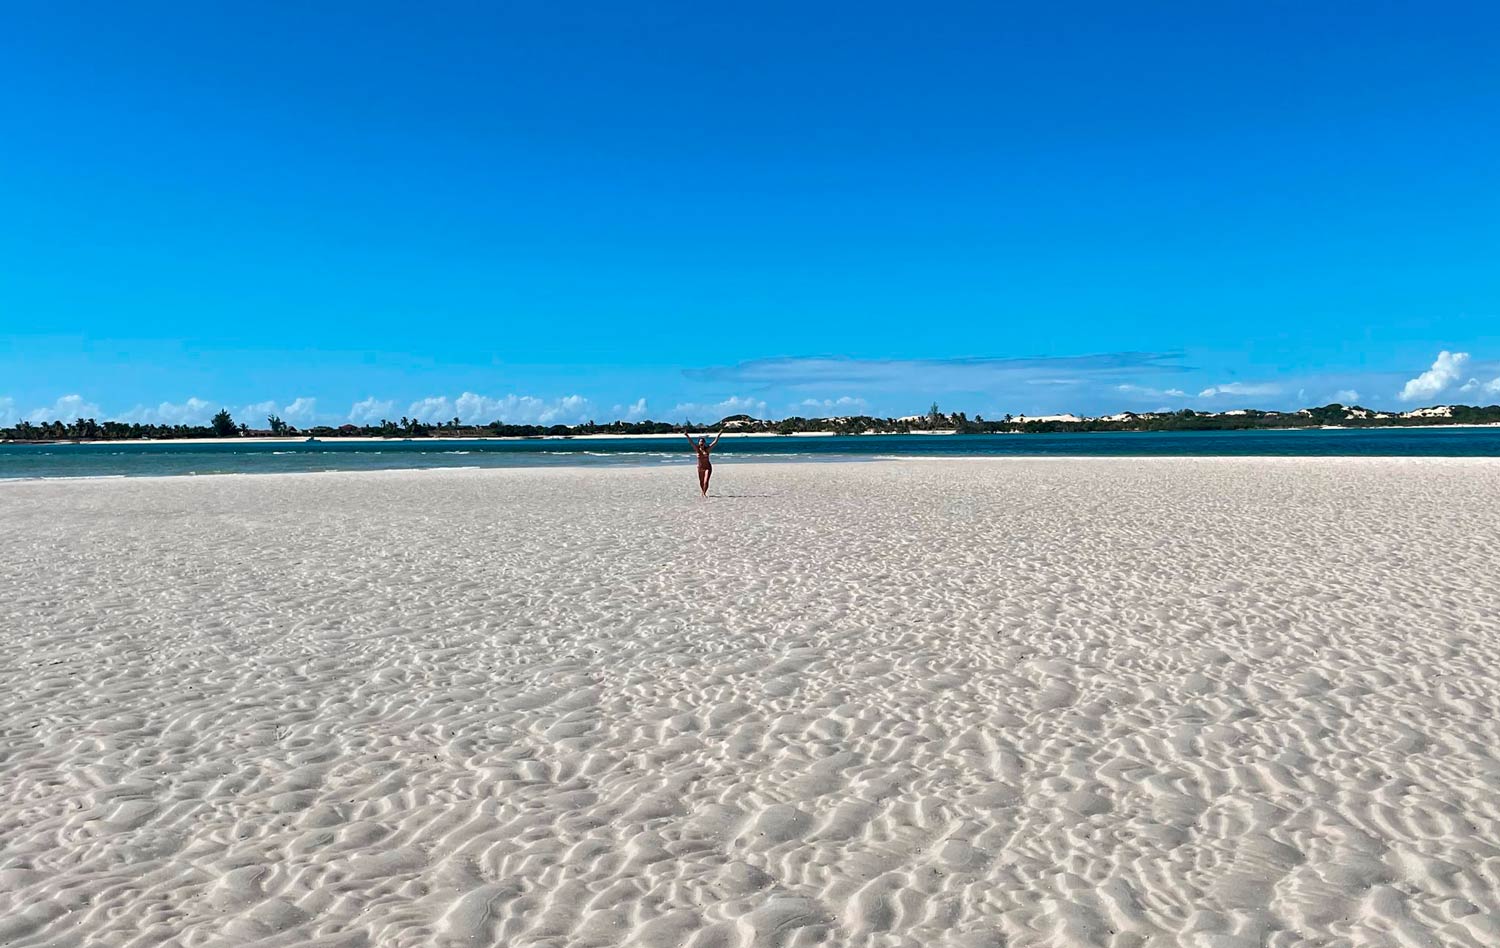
{"points": [[1122, 703]]}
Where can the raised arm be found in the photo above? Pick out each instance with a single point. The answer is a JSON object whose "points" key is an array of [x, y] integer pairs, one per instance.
{"points": [[716, 438], [685, 433]]}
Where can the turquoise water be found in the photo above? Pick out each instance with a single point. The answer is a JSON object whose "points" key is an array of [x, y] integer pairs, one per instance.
{"points": [[259, 457]]}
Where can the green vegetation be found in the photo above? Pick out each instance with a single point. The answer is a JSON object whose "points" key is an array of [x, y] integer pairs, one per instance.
{"points": [[224, 426]]}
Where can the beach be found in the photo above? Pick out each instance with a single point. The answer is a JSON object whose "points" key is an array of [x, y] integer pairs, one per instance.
{"points": [[1115, 702]]}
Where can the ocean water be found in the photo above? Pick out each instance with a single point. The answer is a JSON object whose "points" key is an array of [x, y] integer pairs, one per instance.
{"points": [[263, 457]]}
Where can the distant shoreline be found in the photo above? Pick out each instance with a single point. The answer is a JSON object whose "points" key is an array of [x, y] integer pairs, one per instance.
{"points": [[941, 432], [223, 427], [369, 439]]}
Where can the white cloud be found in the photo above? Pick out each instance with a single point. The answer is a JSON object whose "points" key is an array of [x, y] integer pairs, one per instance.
{"points": [[733, 405], [1345, 396], [524, 409], [370, 411], [512, 409], [1444, 372], [301, 412], [1492, 387], [1241, 388], [198, 411], [1145, 391], [843, 405], [821, 373], [472, 408], [431, 408], [194, 411], [566, 410], [8, 414], [68, 408], [635, 411], [254, 415]]}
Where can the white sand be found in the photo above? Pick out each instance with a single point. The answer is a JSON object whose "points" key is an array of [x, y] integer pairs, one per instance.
{"points": [[1021, 702]]}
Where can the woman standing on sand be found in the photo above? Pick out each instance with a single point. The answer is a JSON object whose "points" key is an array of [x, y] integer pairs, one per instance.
{"points": [[703, 446]]}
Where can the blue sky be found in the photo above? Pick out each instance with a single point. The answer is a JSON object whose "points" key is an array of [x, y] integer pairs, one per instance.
{"points": [[551, 212]]}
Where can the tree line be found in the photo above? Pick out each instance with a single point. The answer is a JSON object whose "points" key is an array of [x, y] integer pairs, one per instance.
{"points": [[223, 425]]}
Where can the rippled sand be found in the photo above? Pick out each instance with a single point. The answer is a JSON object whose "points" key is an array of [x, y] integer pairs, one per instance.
{"points": [[1024, 702]]}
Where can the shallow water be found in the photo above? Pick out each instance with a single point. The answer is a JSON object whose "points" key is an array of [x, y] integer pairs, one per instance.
{"points": [[262, 457]]}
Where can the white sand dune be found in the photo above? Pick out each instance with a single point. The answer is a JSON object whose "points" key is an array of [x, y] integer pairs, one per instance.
{"points": [[1023, 702]]}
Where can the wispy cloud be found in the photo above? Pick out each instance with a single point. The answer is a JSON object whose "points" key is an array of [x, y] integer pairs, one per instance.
{"points": [[302, 411], [733, 405], [255, 415], [823, 407], [192, 411], [933, 374], [1250, 389], [1147, 392], [823, 387], [636, 411], [1446, 370]]}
